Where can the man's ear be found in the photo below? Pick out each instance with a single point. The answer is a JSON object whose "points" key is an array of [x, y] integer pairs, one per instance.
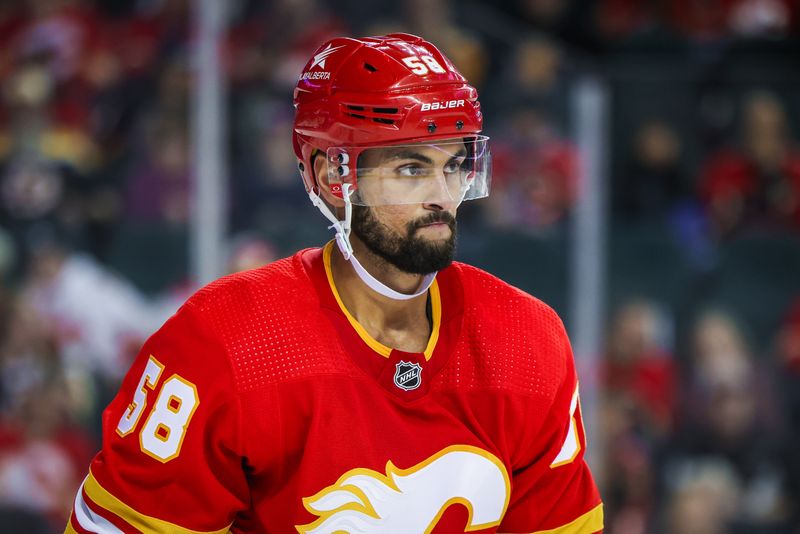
{"points": [[321, 173]]}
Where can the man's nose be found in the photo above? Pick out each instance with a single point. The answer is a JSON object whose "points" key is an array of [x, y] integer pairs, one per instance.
{"points": [[438, 194]]}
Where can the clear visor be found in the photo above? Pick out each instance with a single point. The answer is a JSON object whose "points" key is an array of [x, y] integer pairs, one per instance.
{"points": [[449, 171]]}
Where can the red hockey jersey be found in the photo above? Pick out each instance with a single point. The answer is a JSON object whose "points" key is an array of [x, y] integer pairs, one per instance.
{"points": [[262, 406]]}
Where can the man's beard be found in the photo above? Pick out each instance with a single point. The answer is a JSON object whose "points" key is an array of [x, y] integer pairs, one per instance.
{"points": [[410, 253]]}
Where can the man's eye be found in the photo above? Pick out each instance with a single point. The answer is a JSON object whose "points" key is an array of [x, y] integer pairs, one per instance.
{"points": [[411, 171], [454, 166], [451, 167]]}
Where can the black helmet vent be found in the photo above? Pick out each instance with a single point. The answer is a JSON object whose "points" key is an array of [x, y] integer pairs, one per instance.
{"points": [[379, 115]]}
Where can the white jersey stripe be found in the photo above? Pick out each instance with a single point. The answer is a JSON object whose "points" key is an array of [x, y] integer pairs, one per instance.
{"points": [[89, 520]]}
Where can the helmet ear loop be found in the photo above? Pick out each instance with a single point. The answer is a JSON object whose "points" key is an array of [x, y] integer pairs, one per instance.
{"points": [[343, 228]]}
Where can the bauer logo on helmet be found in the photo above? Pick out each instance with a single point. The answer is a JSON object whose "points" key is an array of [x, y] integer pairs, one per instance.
{"points": [[433, 106]]}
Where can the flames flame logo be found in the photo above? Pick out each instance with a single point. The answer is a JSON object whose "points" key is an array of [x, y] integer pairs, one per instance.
{"points": [[413, 500]]}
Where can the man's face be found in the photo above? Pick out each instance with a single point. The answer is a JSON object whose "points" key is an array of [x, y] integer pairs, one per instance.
{"points": [[418, 237]]}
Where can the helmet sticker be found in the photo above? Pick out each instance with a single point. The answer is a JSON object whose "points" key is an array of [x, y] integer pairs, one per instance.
{"points": [[433, 106], [320, 58], [428, 64]]}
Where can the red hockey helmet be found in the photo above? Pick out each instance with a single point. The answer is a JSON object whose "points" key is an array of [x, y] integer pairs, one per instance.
{"points": [[380, 91]]}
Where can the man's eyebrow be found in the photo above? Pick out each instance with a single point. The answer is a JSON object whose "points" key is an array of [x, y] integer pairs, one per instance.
{"points": [[413, 154]]}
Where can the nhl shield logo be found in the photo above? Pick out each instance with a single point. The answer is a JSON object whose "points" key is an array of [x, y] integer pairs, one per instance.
{"points": [[408, 375]]}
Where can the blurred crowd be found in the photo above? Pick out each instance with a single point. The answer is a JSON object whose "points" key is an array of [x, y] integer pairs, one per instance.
{"points": [[700, 407]]}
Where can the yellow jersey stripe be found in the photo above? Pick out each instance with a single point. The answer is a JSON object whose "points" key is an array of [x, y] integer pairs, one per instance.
{"points": [[374, 344], [69, 529], [141, 522], [436, 316], [588, 523]]}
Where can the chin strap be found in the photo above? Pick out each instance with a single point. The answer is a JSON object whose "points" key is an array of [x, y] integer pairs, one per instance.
{"points": [[342, 229], [385, 290]]}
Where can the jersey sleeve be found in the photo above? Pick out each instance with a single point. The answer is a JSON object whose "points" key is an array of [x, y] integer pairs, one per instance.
{"points": [[552, 488], [172, 458]]}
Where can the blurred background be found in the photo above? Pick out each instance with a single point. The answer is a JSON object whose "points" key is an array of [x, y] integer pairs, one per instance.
{"points": [[646, 185]]}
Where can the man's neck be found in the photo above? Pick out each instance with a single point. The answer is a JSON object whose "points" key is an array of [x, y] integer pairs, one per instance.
{"points": [[400, 324]]}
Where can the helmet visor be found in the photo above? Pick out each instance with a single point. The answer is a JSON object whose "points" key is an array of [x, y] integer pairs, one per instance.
{"points": [[449, 171]]}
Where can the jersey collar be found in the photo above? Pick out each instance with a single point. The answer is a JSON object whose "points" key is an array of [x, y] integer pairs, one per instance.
{"points": [[374, 344], [447, 311]]}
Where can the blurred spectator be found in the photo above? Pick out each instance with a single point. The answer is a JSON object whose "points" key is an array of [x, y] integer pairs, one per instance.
{"points": [[29, 351], [730, 418], [639, 365], [654, 184], [61, 32], [158, 187], [266, 186], [627, 477], [701, 21], [467, 52], [720, 352], [267, 46], [172, 91], [534, 75], [535, 173], [35, 128], [704, 499], [757, 184], [787, 348], [39, 469], [619, 19], [553, 186], [99, 319], [762, 18], [33, 192], [639, 383], [46, 165], [250, 252], [434, 19], [534, 182], [42, 453], [276, 41], [568, 21], [245, 251]]}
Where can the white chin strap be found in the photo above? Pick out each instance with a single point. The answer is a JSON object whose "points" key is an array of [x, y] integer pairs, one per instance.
{"points": [[343, 241]]}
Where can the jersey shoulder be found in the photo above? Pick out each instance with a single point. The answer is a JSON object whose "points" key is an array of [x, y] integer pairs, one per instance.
{"points": [[280, 281], [507, 307], [510, 339], [271, 324]]}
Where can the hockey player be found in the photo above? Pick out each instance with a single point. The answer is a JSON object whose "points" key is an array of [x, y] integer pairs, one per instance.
{"points": [[373, 385]]}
